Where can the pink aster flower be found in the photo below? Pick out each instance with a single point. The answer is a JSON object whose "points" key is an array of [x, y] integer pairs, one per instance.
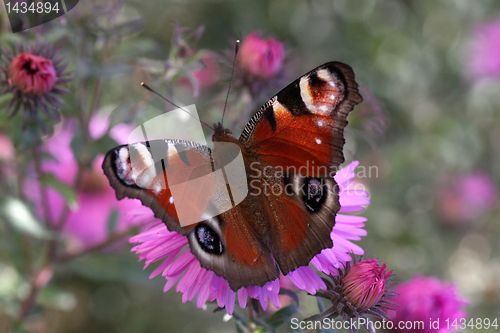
{"points": [[364, 284], [179, 266], [260, 57], [86, 224], [484, 50], [427, 299], [464, 198]]}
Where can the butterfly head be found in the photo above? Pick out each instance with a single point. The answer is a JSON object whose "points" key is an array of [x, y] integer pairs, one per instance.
{"points": [[222, 134]]}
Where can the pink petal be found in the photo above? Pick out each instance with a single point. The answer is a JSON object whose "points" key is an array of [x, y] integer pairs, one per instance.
{"points": [[242, 297]]}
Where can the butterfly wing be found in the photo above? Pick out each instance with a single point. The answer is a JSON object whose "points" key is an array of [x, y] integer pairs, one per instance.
{"points": [[240, 255], [296, 142], [299, 128], [139, 170], [302, 126], [157, 171]]}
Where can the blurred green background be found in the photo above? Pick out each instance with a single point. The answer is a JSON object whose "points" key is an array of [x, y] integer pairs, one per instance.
{"points": [[427, 123]]}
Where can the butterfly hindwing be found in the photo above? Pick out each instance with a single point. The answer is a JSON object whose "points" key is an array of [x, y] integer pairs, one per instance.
{"points": [[303, 220], [239, 255]]}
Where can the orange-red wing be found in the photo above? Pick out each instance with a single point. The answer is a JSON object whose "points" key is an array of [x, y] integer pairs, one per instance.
{"points": [[148, 171], [302, 127]]}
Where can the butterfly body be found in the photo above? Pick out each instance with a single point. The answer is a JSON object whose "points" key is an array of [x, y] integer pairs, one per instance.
{"points": [[290, 149]]}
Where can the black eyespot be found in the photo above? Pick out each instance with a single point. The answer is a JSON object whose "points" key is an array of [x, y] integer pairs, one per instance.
{"points": [[208, 239], [314, 193]]}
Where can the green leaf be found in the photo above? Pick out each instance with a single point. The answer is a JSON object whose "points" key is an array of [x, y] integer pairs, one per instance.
{"points": [[100, 147], [24, 137], [48, 156], [263, 326], [53, 296], [112, 221], [152, 66], [66, 191], [5, 99], [195, 57], [281, 316], [20, 217], [321, 305], [55, 35], [111, 267], [241, 328], [78, 142], [239, 317], [22, 329]]}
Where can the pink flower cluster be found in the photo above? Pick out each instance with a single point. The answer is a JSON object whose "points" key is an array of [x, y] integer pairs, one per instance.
{"points": [[426, 299]]}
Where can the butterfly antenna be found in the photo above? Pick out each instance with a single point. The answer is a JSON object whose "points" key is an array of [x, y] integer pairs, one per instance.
{"points": [[237, 46], [145, 86]]}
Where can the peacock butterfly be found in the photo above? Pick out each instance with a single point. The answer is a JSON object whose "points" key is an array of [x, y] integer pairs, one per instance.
{"points": [[300, 132]]}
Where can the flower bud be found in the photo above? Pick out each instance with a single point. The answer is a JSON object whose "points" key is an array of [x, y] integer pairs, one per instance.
{"points": [[32, 74], [364, 284], [260, 57], [34, 77]]}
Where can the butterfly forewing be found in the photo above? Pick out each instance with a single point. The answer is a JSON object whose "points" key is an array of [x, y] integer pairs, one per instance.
{"points": [[302, 127], [158, 171]]}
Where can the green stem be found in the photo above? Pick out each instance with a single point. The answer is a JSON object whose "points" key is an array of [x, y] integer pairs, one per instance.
{"points": [[43, 190], [106, 243], [30, 300], [96, 97]]}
